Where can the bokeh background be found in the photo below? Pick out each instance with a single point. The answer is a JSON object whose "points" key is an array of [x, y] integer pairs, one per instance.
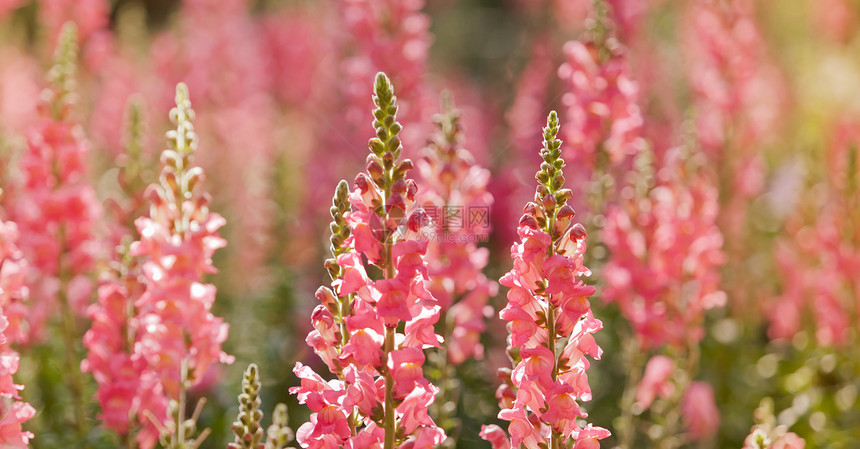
{"points": [[761, 95]]}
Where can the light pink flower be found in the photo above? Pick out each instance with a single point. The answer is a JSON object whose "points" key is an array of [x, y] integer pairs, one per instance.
{"points": [[700, 411], [378, 367], [666, 250], [656, 381], [547, 269], [13, 292]]}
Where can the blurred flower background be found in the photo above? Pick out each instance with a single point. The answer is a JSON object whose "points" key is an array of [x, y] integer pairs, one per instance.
{"points": [[712, 157]]}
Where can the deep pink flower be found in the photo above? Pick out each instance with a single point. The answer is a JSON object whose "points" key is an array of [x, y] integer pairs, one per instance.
{"points": [[496, 436], [453, 181]]}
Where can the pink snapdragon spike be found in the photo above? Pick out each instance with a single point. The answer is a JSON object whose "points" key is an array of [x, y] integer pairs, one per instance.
{"points": [[56, 208], [819, 256], [550, 321], [380, 396], [391, 36], [456, 199], [600, 103], [740, 99], [665, 253], [178, 337], [456, 193], [122, 375], [13, 293]]}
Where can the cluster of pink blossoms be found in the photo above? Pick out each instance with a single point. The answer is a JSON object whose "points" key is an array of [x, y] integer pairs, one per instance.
{"points": [[392, 36], [601, 103], [153, 332], [13, 292], [820, 256], [550, 321], [665, 253], [456, 191], [380, 396], [740, 97], [738, 90], [663, 272], [56, 208]]}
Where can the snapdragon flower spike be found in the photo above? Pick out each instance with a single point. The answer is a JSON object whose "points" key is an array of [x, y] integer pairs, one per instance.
{"points": [[819, 255], [56, 208], [13, 411], [247, 427], [122, 375], [551, 325], [601, 103], [179, 337], [665, 251], [380, 396], [124, 379], [454, 182]]}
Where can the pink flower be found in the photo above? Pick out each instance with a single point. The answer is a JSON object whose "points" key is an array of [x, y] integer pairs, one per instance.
{"points": [[789, 441], [700, 411], [56, 212], [656, 381], [546, 384], [379, 369], [666, 250], [601, 104], [12, 412], [172, 327], [496, 436]]}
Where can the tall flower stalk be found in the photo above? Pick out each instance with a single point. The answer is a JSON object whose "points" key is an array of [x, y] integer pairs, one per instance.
{"points": [[120, 372], [380, 397], [550, 321], [665, 251], [178, 336], [456, 193], [56, 210]]}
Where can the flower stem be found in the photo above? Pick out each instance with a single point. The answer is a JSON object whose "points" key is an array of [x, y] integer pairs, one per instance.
{"points": [[388, 346], [70, 335], [550, 328], [390, 429]]}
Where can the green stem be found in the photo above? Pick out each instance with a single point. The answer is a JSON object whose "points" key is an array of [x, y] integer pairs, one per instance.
{"points": [[74, 380], [388, 346], [390, 429], [632, 360], [180, 420], [70, 336], [551, 339]]}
